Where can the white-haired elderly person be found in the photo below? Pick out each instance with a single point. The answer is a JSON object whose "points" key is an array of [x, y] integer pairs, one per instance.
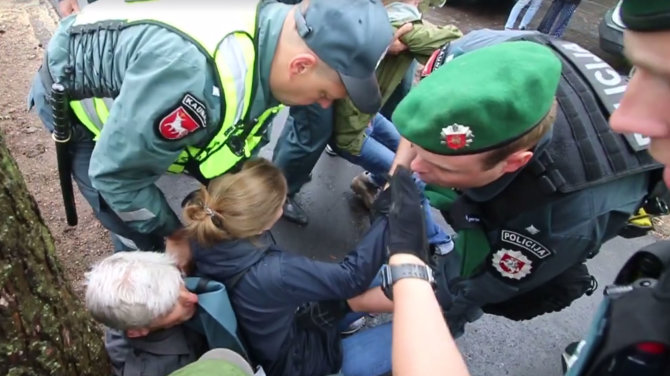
{"points": [[142, 299]]}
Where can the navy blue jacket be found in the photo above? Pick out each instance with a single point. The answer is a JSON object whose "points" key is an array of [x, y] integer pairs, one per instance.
{"points": [[277, 283]]}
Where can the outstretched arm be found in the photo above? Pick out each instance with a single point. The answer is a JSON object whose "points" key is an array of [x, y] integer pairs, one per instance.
{"points": [[422, 343], [372, 301]]}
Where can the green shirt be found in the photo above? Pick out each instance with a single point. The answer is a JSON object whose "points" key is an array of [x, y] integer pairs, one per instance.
{"points": [[422, 41]]}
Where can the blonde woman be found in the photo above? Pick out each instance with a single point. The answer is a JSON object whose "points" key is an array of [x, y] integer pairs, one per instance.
{"points": [[289, 306]]}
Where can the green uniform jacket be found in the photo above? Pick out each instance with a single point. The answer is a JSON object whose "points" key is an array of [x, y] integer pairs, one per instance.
{"points": [[422, 41], [148, 70]]}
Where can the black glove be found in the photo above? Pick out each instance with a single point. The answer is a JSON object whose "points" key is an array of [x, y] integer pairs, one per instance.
{"points": [[407, 225], [382, 204]]}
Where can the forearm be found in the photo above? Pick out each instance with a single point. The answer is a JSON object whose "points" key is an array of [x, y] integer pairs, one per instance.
{"points": [[404, 154], [145, 210], [422, 343], [372, 300]]}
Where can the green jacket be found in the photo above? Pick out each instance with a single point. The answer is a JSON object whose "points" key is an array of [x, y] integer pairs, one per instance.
{"points": [[147, 70], [422, 41]]}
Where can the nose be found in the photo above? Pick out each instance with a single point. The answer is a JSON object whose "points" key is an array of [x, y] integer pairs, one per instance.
{"points": [[643, 107], [192, 298], [417, 165]]}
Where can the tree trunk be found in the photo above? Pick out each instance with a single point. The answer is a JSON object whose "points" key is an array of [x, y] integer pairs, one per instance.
{"points": [[44, 329]]}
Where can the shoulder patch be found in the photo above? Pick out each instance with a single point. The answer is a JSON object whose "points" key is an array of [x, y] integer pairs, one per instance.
{"points": [[186, 117], [517, 256], [525, 242], [511, 264]]}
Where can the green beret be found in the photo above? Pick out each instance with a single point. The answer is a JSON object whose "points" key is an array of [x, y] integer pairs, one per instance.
{"points": [[646, 15], [481, 100]]}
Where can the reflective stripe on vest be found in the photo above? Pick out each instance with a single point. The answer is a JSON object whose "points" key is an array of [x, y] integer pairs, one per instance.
{"points": [[225, 33], [93, 113]]}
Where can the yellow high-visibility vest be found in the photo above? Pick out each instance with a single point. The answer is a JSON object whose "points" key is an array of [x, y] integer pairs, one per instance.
{"points": [[225, 32]]}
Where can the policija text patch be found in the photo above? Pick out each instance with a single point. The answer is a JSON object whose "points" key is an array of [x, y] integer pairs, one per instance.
{"points": [[188, 116], [519, 257]]}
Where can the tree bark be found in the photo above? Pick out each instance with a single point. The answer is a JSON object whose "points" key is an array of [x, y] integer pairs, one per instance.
{"points": [[44, 329]]}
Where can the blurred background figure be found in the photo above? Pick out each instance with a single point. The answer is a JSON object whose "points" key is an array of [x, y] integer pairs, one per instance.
{"points": [[531, 6], [556, 20]]}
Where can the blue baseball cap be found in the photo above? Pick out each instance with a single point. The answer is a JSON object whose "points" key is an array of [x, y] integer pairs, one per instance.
{"points": [[352, 37]]}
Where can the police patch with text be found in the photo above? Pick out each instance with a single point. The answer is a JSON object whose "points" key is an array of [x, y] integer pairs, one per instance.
{"points": [[517, 256], [186, 117]]}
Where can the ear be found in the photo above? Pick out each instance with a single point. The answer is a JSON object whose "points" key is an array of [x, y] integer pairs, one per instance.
{"points": [[517, 160], [301, 64], [136, 333]]}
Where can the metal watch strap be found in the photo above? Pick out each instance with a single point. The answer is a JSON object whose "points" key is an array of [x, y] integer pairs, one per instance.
{"points": [[393, 273]]}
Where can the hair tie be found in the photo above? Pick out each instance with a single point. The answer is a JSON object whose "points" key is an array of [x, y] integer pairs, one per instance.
{"points": [[209, 211]]}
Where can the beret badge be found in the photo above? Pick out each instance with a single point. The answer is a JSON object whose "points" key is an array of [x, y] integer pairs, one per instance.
{"points": [[456, 136]]}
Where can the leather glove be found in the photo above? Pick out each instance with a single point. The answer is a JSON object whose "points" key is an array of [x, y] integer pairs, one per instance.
{"points": [[407, 225], [382, 204]]}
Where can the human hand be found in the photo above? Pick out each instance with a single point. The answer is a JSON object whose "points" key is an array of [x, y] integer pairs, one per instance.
{"points": [[382, 204], [180, 249], [407, 232], [396, 45], [67, 7]]}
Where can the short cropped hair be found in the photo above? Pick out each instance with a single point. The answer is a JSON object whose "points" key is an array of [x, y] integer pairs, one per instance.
{"points": [[129, 290], [526, 142]]}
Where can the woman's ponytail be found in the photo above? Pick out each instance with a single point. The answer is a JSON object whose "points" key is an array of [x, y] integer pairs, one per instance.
{"points": [[203, 222]]}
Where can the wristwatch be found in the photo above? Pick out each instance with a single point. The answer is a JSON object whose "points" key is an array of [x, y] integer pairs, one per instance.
{"points": [[393, 273]]}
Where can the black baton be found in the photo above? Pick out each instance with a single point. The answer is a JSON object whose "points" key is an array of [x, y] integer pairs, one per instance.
{"points": [[61, 135]]}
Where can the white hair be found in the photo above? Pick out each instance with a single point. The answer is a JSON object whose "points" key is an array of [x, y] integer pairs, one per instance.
{"points": [[129, 290]]}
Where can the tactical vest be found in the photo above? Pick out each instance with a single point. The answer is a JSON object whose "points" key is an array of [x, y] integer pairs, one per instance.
{"points": [[234, 60], [584, 151]]}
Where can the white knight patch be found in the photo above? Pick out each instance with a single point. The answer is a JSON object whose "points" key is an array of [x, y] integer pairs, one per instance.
{"points": [[512, 264]]}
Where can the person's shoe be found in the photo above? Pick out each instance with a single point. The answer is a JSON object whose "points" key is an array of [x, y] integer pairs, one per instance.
{"points": [[570, 354], [355, 326], [365, 189], [293, 212], [330, 151]]}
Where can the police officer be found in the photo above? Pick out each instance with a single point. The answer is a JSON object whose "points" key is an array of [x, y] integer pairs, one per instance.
{"points": [[178, 86], [309, 129], [524, 167], [630, 333]]}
